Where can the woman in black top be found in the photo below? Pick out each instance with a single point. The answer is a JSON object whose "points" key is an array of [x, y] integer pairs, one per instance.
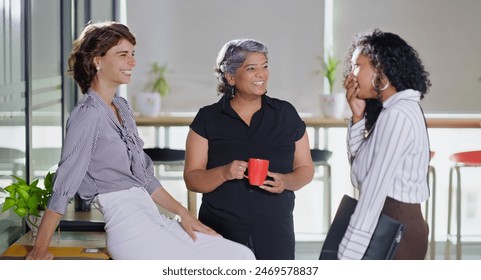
{"points": [[246, 123]]}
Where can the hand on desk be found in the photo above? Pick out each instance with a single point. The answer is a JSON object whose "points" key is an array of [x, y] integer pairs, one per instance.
{"points": [[50, 221], [36, 254]]}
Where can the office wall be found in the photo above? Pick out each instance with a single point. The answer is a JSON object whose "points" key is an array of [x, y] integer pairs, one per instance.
{"points": [[188, 34], [446, 34]]}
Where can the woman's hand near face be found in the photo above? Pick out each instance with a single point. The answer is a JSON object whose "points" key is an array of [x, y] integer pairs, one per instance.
{"points": [[356, 104]]}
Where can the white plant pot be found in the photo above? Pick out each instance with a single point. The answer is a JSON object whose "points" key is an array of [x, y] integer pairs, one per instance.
{"points": [[333, 105], [148, 103]]}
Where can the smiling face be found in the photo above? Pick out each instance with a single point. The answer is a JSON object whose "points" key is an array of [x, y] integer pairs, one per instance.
{"points": [[363, 70], [117, 64], [252, 76]]}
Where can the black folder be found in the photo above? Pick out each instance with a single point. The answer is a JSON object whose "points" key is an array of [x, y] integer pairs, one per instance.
{"points": [[384, 241]]}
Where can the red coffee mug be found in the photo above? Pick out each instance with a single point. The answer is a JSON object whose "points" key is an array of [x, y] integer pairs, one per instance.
{"points": [[257, 171]]}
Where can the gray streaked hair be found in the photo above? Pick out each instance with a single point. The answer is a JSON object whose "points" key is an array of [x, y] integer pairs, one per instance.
{"points": [[231, 57]]}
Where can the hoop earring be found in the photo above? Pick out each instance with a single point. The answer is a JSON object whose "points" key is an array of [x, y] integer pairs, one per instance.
{"points": [[384, 87], [378, 89]]}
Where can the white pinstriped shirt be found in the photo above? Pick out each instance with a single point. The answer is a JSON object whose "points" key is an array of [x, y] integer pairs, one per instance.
{"points": [[100, 154], [392, 162]]}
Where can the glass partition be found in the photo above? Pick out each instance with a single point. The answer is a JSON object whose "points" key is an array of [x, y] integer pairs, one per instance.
{"points": [[36, 95], [12, 111], [46, 87]]}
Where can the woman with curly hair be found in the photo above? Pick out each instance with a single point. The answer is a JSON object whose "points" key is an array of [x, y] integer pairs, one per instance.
{"points": [[387, 141]]}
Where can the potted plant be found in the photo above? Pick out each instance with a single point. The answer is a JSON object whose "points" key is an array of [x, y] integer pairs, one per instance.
{"points": [[158, 82], [332, 104], [28, 200], [329, 71], [149, 101]]}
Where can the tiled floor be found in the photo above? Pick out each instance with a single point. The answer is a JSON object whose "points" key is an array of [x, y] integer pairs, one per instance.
{"points": [[309, 250]]}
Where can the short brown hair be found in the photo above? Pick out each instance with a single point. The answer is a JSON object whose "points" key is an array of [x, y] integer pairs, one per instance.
{"points": [[95, 40]]}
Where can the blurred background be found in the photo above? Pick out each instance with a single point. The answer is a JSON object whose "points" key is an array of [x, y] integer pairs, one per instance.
{"points": [[36, 95]]}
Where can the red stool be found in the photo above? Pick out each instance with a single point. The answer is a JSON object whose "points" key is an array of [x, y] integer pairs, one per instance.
{"points": [[463, 159]]}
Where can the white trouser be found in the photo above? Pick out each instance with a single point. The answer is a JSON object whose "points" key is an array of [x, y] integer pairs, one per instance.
{"points": [[136, 230]]}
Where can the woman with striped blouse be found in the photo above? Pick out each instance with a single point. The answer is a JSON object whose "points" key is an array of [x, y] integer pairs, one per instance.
{"points": [[387, 141], [103, 160]]}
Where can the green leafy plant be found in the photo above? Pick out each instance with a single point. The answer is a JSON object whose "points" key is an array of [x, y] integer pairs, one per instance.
{"points": [[28, 199], [158, 83], [329, 70]]}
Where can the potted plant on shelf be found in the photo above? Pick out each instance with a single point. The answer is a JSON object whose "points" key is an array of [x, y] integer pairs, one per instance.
{"points": [[28, 200], [332, 104], [149, 101]]}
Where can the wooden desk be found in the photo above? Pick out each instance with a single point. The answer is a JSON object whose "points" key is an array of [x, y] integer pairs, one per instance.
{"points": [[172, 120], [72, 245], [433, 122], [168, 120], [317, 122], [454, 122]]}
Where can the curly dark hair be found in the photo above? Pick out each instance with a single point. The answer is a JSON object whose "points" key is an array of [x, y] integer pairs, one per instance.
{"points": [[393, 57], [96, 39]]}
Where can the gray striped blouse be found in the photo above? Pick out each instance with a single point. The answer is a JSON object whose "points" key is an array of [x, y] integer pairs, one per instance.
{"points": [[392, 162], [100, 154]]}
